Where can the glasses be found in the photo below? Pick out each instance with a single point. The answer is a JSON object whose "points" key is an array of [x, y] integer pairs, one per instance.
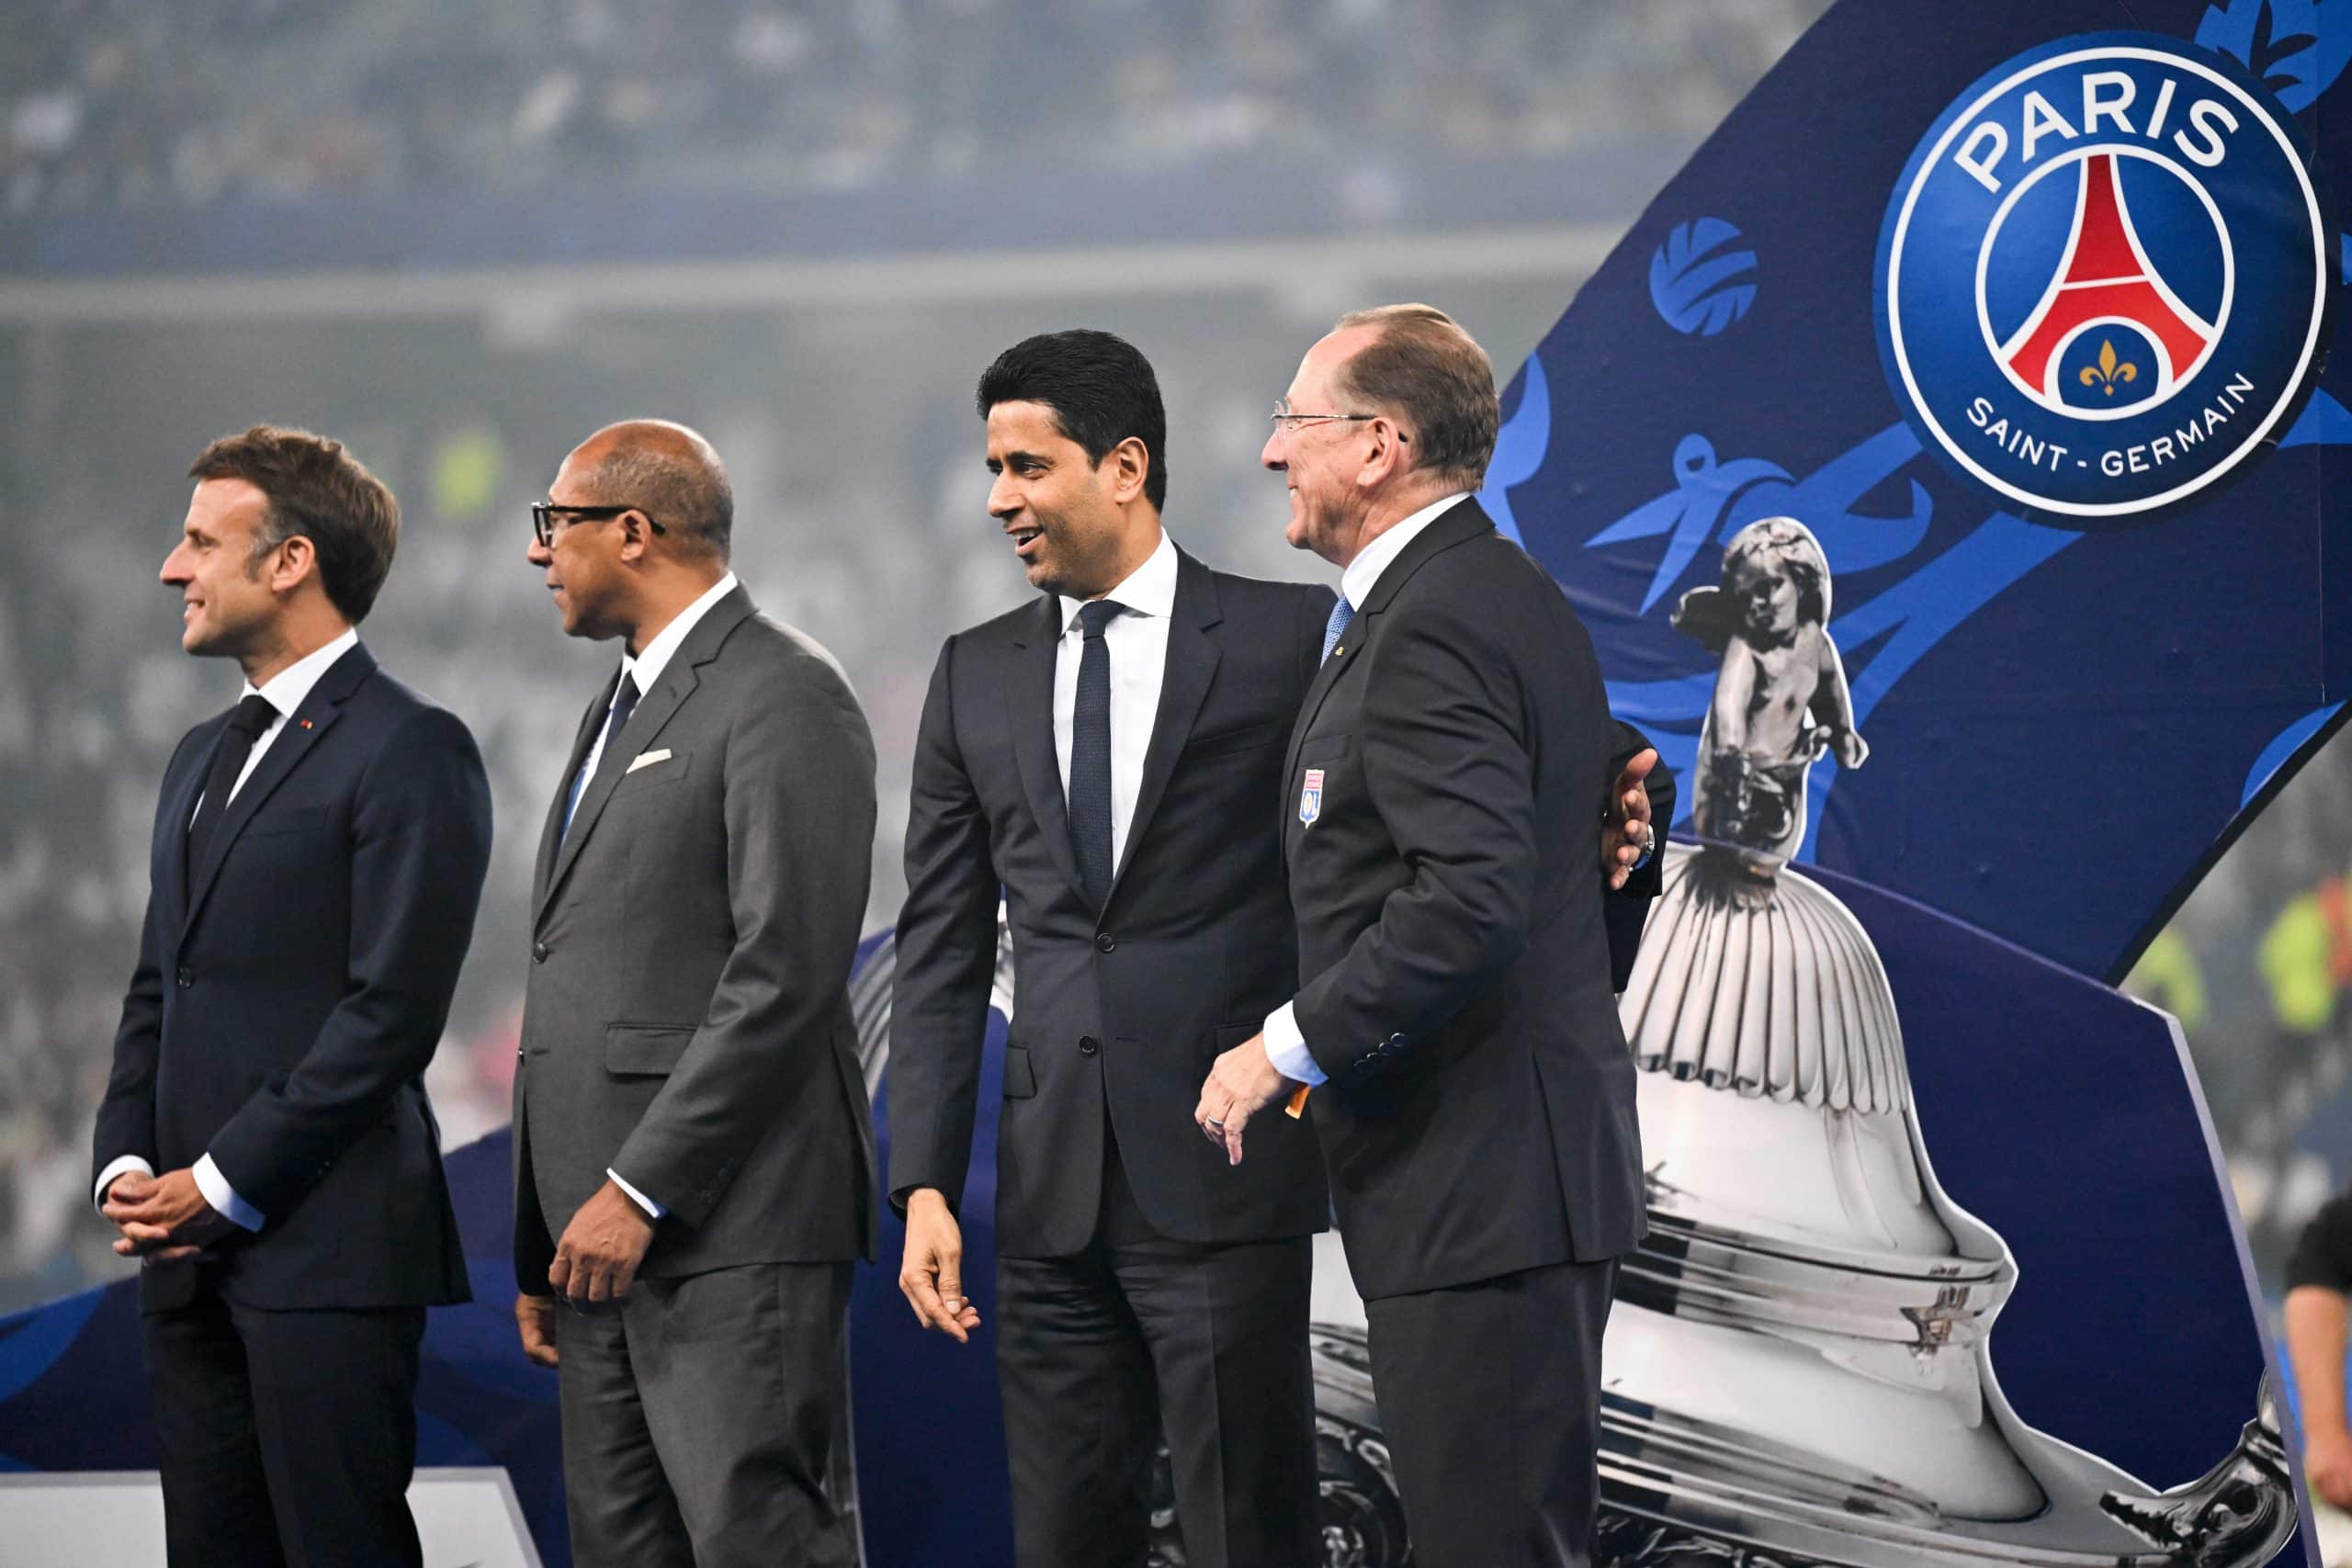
{"points": [[1290, 422], [545, 527]]}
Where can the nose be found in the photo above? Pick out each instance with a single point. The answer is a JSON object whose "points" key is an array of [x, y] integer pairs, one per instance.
{"points": [[536, 553], [1005, 499], [176, 572], [1272, 455]]}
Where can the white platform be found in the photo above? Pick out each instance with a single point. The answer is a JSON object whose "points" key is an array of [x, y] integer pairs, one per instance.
{"points": [[467, 1518]]}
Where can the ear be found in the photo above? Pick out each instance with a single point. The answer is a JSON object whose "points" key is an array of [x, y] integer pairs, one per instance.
{"points": [[1386, 455], [296, 563], [637, 538], [1130, 465]]}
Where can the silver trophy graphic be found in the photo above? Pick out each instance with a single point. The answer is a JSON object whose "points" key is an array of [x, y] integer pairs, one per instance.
{"points": [[1799, 1367]]}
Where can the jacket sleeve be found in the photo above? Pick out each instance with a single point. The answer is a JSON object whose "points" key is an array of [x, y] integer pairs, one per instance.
{"points": [[946, 960], [1452, 781], [126, 1121], [799, 781], [421, 847]]}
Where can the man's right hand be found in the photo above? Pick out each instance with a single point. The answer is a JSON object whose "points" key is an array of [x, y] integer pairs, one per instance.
{"points": [[2327, 1463], [535, 1316], [932, 1274]]}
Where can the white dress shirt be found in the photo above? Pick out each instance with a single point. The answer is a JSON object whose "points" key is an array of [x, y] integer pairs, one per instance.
{"points": [[1285, 1044], [284, 692], [1137, 644], [646, 668]]}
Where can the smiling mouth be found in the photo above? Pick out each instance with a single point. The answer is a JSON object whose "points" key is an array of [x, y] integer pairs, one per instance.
{"points": [[1024, 541]]}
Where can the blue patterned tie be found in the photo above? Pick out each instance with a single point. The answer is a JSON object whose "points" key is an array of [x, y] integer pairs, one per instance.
{"points": [[1341, 613], [1089, 755], [624, 703]]}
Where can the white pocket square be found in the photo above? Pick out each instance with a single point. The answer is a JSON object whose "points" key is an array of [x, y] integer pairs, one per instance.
{"points": [[647, 759]]}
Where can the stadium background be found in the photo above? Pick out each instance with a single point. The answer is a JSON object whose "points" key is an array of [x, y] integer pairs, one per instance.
{"points": [[463, 236]]}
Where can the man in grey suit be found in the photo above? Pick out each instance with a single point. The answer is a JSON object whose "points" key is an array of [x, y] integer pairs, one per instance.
{"points": [[693, 1158]]}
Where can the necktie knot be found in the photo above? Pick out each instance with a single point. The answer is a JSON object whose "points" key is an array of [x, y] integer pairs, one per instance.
{"points": [[253, 716], [1341, 613], [1096, 615]]}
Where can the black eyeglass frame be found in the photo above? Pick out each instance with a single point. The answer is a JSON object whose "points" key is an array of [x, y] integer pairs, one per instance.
{"points": [[544, 513]]}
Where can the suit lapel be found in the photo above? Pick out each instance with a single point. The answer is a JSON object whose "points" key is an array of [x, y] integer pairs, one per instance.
{"points": [[300, 730], [1029, 710], [654, 710], [178, 812], [1192, 655], [1463, 521], [552, 836]]}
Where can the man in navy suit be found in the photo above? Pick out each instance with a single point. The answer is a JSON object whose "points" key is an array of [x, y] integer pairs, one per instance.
{"points": [[318, 852]]}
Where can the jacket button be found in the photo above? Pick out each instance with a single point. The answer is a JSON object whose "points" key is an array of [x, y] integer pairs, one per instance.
{"points": [[1105, 942], [539, 952], [1088, 1045], [186, 977]]}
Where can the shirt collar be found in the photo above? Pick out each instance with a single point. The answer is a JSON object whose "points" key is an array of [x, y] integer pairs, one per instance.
{"points": [[1149, 590], [286, 690], [1363, 572], [648, 666]]}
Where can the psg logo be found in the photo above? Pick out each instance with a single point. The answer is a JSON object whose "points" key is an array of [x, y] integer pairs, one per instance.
{"points": [[2102, 279]]}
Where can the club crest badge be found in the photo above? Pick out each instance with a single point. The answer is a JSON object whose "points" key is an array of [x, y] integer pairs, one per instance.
{"points": [[1310, 797], [2102, 281]]}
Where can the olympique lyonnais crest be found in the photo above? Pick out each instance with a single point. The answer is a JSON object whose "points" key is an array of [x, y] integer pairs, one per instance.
{"points": [[2102, 279], [1310, 797]]}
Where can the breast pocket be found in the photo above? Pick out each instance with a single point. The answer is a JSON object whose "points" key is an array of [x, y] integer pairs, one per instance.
{"points": [[1229, 742], [269, 823], [652, 771]]}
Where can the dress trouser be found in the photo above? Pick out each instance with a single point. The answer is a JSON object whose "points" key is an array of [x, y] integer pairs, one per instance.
{"points": [[1489, 1400], [286, 1439], [1097, 1352], [706, 1421]]}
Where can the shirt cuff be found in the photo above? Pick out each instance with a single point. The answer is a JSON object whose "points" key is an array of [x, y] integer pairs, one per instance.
{"points": [[120, 1165], [653, 1209], [1287, 1048], [224, 1197]]}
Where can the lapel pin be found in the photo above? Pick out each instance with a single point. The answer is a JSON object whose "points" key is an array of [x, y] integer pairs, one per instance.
{"points": [[306, 724]]}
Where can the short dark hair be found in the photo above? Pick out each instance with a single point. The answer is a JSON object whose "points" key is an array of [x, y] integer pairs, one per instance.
{"points": [[1424, 366], [321, 492], [1101, 388], [674, 477]]}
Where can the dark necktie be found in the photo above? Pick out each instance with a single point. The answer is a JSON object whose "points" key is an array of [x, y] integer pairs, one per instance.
{"points": [[624, 703], [1089, 755], [252, 717]]}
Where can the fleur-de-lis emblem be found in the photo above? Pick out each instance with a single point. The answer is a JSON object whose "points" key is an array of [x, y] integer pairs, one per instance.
{"points": [[2109, 370]]}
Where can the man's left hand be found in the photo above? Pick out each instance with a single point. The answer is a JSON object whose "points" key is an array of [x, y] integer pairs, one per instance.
{"points": [[602, 1247], [167, 1220], [1241, 1083], [1626, 836]]}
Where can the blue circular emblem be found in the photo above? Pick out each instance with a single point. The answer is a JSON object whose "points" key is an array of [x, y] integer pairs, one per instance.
{"points": [[2103, 279]]}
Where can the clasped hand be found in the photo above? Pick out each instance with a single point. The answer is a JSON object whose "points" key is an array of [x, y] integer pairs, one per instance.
{"points": [[162, 1216]]}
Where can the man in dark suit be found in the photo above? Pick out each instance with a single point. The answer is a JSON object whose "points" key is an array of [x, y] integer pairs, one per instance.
{"points": [[693, 1158], [1102, 756], [1476, 1107], [318, 853], [1100, 761]]}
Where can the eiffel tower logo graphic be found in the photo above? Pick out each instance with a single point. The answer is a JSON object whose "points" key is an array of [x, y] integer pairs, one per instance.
{"points": [[2107, 277]]}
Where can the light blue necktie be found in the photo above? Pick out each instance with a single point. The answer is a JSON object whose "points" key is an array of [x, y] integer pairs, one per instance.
{"points": [[1341, 613]]}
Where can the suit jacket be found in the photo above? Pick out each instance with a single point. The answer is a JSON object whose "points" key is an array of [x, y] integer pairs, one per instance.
{"points": [[686, 1017], [1453, 926], [1127, 1005], [290, 991]]}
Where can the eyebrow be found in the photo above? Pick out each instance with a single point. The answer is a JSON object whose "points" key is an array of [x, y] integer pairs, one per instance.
{"points": [[995, 462]]}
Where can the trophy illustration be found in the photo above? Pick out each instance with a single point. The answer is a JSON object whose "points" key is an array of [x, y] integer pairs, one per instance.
{"points": [[1798, 1369]]}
